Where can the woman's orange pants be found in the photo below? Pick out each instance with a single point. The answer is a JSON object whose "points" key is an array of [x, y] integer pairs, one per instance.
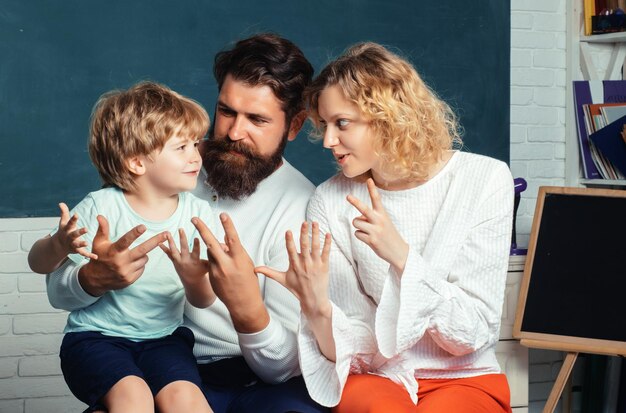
{"points": [[368, 393]]}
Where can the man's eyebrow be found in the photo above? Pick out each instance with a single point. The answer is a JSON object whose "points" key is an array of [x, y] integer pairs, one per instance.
{"points": [[222, 105]]}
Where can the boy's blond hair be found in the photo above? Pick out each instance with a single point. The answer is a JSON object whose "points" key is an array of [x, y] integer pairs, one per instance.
{"points": [[138, 121], [412, 127]]}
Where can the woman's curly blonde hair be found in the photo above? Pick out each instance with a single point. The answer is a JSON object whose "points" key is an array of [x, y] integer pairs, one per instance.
{"points": [[413, 128]]}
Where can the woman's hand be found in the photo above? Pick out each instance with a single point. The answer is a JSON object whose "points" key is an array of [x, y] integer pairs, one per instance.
{"points": [[374, 227], [307, 275]]}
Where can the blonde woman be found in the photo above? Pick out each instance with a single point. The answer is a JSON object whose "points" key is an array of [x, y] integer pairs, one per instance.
{"points": [[401, 287]]}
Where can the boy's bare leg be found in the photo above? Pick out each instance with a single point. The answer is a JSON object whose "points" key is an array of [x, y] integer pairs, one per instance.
{"points": [[130, 394], [181, 396]]}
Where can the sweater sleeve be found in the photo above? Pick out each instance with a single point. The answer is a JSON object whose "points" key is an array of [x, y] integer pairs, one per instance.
{"points": [[273, 352], [460, 309], [352, 322]]}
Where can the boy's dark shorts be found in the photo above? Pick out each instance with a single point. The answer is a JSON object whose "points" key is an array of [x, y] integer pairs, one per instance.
{"points": [[92, 362]]}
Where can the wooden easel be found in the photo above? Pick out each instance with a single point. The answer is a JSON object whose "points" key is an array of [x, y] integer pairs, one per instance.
{"points": [[572, 346], [560, 382]]}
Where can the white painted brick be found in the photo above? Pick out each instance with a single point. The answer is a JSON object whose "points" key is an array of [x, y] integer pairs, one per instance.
{"points": [[523, 222], [31, 283], [559, 151], [13, 406], [35, 366], [522, 20], [8, 283], [556, 368], [527, 115], [531, 151], [29, 238], [546, 134], [27, 224], [539, 391], [561, 112], [535, 5], [8, 368], [544, 356], [561, 41], [527, 205], [532, 77], [532, 40], [519, 169], [34, 387], [554, 59], [549, 96], [6, 321], [540, 372], [518, 133], [54, 404], [522, 236], [546, 169], [521, 96], [521, 58], [9, 242], [549, 22], [560, 79], [14, 262], [25, 304], [39, 323], [30, 345]]}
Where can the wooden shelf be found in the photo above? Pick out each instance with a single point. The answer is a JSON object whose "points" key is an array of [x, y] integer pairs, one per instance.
{"points": [[582, 59], [618, 37], [604, 182]]}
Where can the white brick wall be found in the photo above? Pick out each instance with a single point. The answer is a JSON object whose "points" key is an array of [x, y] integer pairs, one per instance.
{"points": [[30, 329], [538, 62], [30, 378]]}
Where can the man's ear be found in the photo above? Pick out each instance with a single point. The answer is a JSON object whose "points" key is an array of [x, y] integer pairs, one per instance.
{"points": [[296, 124], [136, 165]]}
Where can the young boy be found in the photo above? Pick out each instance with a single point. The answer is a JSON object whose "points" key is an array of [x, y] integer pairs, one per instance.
{"points": [[128, 351]]}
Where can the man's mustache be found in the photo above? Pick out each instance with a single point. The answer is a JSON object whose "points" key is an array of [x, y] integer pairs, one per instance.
{"points": [[228, 145]]}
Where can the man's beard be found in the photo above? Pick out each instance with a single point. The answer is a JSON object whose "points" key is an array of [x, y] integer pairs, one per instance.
{"points": [[236, 175]]}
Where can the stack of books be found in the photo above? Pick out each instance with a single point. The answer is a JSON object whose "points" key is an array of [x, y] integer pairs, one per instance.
{"points": [[600, 108]]}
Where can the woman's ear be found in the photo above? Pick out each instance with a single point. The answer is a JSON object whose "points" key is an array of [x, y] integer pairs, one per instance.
{"points": [[296, 124], [136, 165]]}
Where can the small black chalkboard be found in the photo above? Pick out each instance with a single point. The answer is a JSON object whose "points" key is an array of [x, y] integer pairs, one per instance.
{"points": [[574, 285]]}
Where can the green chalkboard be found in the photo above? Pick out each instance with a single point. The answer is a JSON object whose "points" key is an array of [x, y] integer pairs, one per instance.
{"points": [[59, 56]]}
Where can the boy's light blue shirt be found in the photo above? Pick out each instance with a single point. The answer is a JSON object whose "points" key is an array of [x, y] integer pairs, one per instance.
{"points": [[152, 306]]}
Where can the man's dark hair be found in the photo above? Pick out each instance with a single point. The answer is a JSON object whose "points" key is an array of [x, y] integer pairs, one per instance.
{"points": [[267, 59]]}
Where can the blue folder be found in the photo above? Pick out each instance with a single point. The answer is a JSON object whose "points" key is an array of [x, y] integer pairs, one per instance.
{"points": [[609, 141]]}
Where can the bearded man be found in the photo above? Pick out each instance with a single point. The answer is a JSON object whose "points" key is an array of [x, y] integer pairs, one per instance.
{"points": [[246, 341]]}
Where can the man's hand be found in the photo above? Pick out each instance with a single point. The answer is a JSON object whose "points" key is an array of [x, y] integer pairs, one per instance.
{"points": [[117, 266], [233, 278]]}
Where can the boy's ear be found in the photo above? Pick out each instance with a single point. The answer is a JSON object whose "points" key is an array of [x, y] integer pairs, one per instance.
{"points": [[136, 165], [296, 124]]}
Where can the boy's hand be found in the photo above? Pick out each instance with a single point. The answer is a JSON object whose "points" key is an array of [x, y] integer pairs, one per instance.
{"points": [[117, 266], [68, 239], [192, 270], [189, 266]]}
